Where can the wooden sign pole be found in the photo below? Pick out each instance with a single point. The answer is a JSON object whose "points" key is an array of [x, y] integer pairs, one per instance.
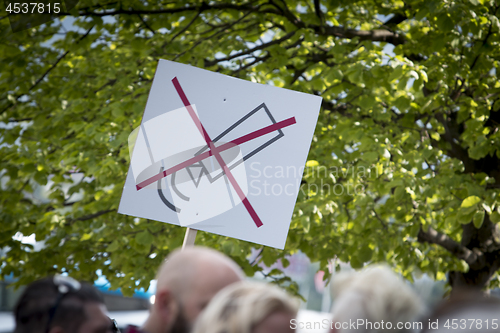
{"points": [[189, 237]]}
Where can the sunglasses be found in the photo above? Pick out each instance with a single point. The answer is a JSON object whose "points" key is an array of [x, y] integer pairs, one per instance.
{"points": [[114, 326], [66, 284]]}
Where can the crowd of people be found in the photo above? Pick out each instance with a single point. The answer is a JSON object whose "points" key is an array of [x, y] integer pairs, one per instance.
{"points": [[200, 290]]}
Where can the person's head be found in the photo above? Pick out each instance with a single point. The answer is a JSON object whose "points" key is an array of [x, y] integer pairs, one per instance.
{"points": [[186, 282], [61, 305], [248, 307], [373, 295]]}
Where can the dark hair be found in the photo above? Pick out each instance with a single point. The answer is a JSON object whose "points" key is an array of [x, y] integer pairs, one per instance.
{"points": [[32, 311]]}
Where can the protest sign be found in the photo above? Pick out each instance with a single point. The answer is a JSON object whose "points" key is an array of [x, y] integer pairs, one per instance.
{"points": [[219, 154]]}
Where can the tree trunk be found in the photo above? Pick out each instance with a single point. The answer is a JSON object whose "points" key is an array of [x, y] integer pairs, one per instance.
{"points": [[483, 241], [480, 248]]}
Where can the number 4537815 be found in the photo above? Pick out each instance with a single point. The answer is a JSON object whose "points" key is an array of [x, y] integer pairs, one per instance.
{"points": [[33, 8], [471, 324]]}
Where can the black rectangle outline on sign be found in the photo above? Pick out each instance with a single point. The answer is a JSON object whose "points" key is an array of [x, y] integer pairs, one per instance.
{"points": [[253, 152]]}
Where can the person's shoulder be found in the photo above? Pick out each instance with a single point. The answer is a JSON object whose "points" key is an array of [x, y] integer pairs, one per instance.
{"points": [[133, 329]]}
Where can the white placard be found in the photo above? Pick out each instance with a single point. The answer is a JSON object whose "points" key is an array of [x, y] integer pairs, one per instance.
{"points": [[219, 154]]}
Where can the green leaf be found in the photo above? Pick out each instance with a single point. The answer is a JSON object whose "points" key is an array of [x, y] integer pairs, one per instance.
{"points": [[478, 219], [115, 245], [356, 263], [367, 102], [144, 238], [334, 74], [495, 217], [269, 257], [86, 236], [465, 218], [356, 75], [399, 192], [370, 156], [365, 253], [470, 201], [29, 168], [402, 103], [396, 73]]}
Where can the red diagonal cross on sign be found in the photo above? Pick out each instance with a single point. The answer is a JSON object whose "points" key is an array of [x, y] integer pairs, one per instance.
{"points": [[215, 151], [217, 155]]}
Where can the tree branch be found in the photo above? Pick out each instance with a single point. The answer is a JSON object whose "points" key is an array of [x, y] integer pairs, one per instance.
{"points": [[395, 20], [376, 35], [186, 27], [256, 60], [200, 8], [317, 9], [338, 108], [461, 252], [380, 220], [452, 137], [145, 24], [249, 51], [90, 216]]}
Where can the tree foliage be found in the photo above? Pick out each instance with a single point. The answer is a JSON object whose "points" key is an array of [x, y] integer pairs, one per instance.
{"points": [[404, 166]]}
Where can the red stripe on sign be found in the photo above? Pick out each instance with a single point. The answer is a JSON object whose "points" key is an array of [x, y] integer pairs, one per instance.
{"points": [[219, 158], [221, 148]]}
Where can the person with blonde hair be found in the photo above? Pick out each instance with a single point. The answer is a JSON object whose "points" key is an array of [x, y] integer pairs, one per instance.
{"points": [[373, 300], [248, 307]]}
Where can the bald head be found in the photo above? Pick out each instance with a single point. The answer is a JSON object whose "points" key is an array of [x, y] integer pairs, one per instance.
{"points": [[193, 265], [193, 276]]}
